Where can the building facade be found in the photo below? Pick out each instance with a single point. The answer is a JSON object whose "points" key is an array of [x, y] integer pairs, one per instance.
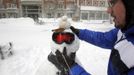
{"points": [[93, 10], [9, 8], [58, 8], [82, 9], [31, 8]]}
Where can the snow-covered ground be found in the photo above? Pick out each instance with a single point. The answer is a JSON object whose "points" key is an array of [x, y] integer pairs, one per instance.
{"points": [[31, 46]]}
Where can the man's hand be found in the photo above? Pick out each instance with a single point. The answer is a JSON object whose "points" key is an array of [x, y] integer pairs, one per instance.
{"points": [[76, 31]]}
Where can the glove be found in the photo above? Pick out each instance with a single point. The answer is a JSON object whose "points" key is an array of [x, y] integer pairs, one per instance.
{"points": [[66, 61], [76, 31], [52, 58]]}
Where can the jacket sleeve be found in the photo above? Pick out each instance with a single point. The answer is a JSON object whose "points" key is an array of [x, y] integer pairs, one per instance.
{"points": [[131, 72], [78, 70], [101, 39]]}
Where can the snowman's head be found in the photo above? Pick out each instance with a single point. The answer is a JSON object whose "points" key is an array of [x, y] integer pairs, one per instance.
{"points": [[64, 37]]}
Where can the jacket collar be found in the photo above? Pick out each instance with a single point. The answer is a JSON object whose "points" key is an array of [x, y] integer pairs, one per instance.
{"points": [[129, 32]]}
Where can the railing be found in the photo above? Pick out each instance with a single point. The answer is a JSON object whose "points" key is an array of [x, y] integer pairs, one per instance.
{"points": [[101, 3]]}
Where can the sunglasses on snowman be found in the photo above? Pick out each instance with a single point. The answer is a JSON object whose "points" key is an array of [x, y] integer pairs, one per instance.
{"points": [[61, 37]]}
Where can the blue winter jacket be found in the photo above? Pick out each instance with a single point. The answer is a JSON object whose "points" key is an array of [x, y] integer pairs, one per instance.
{"points": [[105, 40]]}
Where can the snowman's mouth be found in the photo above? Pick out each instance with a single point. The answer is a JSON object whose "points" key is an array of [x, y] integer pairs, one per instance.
{"points": [[61, 37]]}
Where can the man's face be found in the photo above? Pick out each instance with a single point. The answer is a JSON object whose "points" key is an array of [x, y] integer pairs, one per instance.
{"points": [[117, 10]]}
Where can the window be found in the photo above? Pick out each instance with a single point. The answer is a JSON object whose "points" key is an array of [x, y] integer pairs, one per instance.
{"points": [[95, 2], [84, 16], [60, 14], [99, 15], [49, 15], [69, 15], [60, 6], [2, 15], [105, 16], [11, 5], [82, 2], [102, 3], [92, 15], [89, 2]]}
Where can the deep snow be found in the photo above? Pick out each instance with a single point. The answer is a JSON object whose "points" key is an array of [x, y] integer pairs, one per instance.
{"points": [[31, 46]]}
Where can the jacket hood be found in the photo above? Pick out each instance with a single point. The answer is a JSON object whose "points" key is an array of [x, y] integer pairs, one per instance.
{"points": [[129, 6]]}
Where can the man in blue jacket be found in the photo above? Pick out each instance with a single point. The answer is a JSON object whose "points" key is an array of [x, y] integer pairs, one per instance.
{"points": [[120, 40]]}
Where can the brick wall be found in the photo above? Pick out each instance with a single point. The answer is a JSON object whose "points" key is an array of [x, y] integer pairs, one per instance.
{"points": [[5, 2]]}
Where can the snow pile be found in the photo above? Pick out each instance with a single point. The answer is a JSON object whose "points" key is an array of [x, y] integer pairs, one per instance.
{"points": [[25, 21]]}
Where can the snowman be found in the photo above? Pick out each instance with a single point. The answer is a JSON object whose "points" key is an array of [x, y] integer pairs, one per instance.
{"points": [[63, 38], [6, 50]]}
